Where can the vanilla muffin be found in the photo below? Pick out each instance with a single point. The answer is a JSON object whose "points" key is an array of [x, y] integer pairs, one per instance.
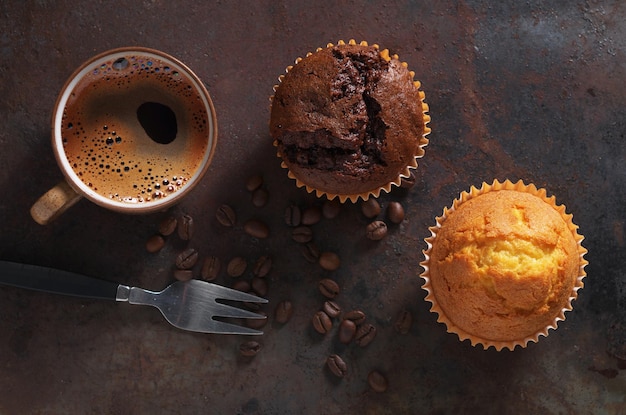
{"points": [[503, 264], [349, 121]]}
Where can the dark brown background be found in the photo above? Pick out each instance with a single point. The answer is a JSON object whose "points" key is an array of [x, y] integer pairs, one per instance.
{"points": [[520, 90]]}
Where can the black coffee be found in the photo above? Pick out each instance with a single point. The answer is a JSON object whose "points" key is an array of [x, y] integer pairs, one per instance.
{"points": [[135, 129], [158, 121]]}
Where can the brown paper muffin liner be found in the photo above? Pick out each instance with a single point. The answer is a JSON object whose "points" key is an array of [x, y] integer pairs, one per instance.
{"points": [[403, 174], [465, 196]]}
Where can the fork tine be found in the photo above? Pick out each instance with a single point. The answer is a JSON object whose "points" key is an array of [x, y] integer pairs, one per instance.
{"points": [[226, 310], [221, 327], [225, 293]]}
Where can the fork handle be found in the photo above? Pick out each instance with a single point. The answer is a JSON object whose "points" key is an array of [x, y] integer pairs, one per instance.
{"points": [[56, 281]]}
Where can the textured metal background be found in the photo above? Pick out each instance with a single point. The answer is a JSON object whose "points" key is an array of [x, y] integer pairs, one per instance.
{"points": [[521, 90]]}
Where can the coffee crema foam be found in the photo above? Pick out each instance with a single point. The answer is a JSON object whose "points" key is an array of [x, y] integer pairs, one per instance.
{"points": [[106, 144]]}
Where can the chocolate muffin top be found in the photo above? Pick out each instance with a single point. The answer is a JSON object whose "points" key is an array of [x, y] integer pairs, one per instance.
{"points": [[348, 120]]}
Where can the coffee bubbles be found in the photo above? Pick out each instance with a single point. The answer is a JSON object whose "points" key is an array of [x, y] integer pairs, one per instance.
{"points": [[135, 129]]}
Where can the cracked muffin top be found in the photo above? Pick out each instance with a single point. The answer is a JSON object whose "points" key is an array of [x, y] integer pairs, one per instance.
{"points": [[348, 120], [504, 265]]}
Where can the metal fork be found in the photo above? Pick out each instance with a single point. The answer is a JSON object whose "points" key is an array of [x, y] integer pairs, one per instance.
{"points": [[190, 305]]}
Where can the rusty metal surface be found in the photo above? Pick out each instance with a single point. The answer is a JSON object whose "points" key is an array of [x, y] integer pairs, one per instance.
{"points": [[520, 90]]}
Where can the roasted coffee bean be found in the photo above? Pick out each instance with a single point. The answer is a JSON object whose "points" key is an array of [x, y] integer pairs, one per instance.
{"points": [[329, 288], [331, 308], [302, 234], [377, 381], [395, 212], [365, 334], [260, 197], [185, 227], [283, 312], [403, 322], [408, 182], [183, 274], [226, 216], [322, 322], [256, 229], [254, 182], [376, 230], [311, 215], [242, 285], [210, 268], [250, 348], [329, 261], [370, 208], [155, 243], [257, 323], [331, 208], [310, 251], [293, 216], [355, 315], [187, 259], [260, 286], [262, 266], [347, 331], [337, 365], [168, 225], [236, 266]]}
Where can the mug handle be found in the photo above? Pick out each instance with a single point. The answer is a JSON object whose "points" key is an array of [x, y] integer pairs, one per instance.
{"points": [[54, 202]]}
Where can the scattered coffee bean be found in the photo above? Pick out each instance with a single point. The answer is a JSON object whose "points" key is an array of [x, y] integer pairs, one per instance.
{"points": [[187, 259], [168, 225], [226, 216], [155, 243], [311, 215], [403, 322], [376, 230], [183, 274], [370, 208], [310, 251], [185, 227], [377, 381], [329, 288], [260, 286], [254, 182], [242, 285], [257, 323], [236, 267], [395, 212], [256, 229], [329, 261], [332, 309], [210, 268], [283, 312], [302, 234], [347, 331], [262, 266], [249, 348], [337, 365], [355, 315], [260, 197], [365, 334], [331, 208], [293, 216], [322, 322], [408, 182]]}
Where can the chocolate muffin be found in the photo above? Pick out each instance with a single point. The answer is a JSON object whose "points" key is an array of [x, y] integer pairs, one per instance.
{"points": [[349, 121]]}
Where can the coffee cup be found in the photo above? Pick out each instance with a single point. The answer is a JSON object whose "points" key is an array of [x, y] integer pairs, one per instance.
{"points": [[133, 130]]}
